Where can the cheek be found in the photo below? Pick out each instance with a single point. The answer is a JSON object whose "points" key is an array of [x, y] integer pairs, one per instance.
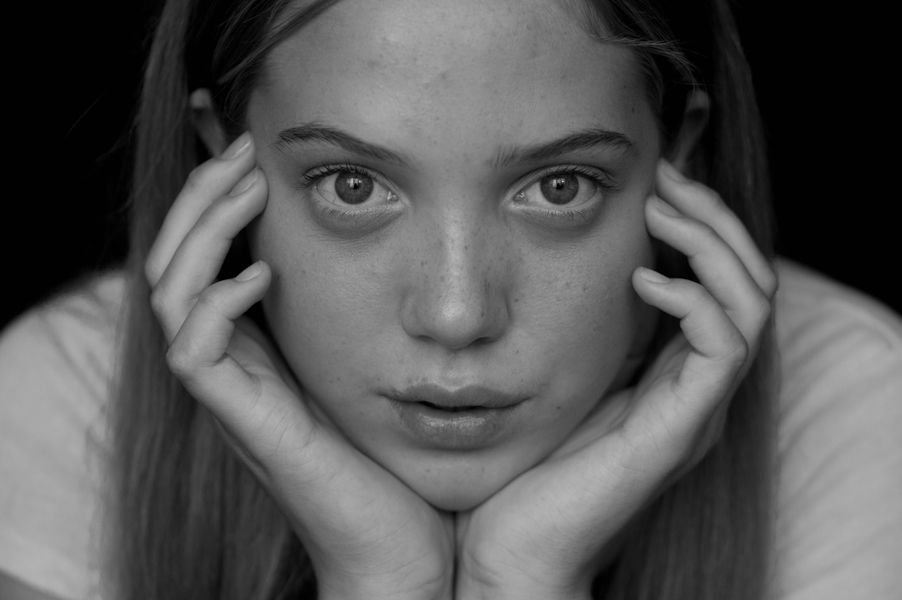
{"points": [[323, 305], [582, 309], [335, 313]]}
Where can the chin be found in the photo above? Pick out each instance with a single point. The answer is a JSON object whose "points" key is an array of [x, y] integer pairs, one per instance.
{"points": [[460, 485], [456, 500]]}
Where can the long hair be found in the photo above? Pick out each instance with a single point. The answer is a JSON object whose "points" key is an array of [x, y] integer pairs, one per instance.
{"points": [[190, 521]]}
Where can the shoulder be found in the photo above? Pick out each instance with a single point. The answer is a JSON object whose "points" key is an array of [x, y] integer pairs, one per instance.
{"points": [[69, 335], [839, 525], [840, 355], [817, 314], [61, 353], [56, 363]]}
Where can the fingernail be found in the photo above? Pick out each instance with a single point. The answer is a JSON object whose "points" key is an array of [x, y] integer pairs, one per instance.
{"points": [[250, 272], [671, 171], [666, 208], [246, 182], [238, 147], [652, 276]]}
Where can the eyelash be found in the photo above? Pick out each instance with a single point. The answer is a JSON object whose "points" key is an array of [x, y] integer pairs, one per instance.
{"points": [[324, 170], [311, 178], [604, 183], [596, 176]]}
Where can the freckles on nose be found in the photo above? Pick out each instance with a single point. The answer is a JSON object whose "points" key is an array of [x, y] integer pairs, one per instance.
{"points": [[457, 294]]}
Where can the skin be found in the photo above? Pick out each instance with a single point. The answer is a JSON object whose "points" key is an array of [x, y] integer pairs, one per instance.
{"points": [[465, 281], [463, 285]]}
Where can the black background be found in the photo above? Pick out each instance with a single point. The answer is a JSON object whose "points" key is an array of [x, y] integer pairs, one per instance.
{"points": [[72, 81]]}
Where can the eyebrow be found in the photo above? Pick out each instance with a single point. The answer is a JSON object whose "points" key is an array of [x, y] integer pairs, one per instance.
{"points": [[505, 156], [317, 132], [586, 139]]}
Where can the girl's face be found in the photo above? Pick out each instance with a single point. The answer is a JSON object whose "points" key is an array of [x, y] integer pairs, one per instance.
{"points": [[456, 196]]}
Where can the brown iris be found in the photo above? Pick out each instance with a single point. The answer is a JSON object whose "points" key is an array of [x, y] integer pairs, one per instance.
{"points": [[559, 188], [353, 188]]}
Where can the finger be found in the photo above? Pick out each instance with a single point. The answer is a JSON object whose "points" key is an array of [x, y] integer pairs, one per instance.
{"points": [[718, 350], [200, 348], [234, 379], [705, 205], [205, 184], [307, 468], [199, 257], [204, 357], [718, 267], [692, 388]]}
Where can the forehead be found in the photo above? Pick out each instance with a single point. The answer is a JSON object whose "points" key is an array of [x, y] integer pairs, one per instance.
{"points": [[514, 71]]}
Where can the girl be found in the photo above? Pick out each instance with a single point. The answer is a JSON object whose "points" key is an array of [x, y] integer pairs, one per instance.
{"points": [[450, 316]]}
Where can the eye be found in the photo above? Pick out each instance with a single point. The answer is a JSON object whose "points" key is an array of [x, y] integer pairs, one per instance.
{"points": [[352, 188], [564, 188], [560, 189], [348, 185]]}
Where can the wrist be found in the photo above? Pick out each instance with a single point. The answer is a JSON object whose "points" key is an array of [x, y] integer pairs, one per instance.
{"points": [[521, 584], [364, 591], [520, 590], [354, 586]]}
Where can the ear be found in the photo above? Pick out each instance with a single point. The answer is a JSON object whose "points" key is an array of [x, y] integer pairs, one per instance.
{"points": [[695, 119], [206, 122]]}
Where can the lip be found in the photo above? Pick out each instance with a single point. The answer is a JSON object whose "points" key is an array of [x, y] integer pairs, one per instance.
{"points": [[466, 418], [476, 396]]}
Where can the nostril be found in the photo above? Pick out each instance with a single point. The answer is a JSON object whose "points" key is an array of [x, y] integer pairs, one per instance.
{"points": [[454, 304]]}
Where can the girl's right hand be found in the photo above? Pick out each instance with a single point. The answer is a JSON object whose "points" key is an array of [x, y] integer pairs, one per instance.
{"points": [[367, 534]]}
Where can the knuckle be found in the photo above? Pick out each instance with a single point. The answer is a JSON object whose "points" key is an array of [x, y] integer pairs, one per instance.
{"points": [[699, 296], [736, 351], [152, 271], [199, 177], [159, 301], [210, 300], [743, 350], [709, 197], [195, 179], [704, 195], [214, 215], [180, 361], [762, 308], [698, 238], [769, 281], [704, 233]]}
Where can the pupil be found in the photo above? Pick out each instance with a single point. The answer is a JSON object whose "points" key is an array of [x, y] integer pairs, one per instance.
{"points": [[353, 188], [560, 189]]}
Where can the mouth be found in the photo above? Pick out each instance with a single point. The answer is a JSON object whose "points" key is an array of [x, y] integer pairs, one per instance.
{"points": [[451, 409], [464, 398], [464, 419]]}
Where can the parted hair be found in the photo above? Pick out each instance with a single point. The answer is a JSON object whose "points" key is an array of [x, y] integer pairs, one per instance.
{"points": [[190, 521]]}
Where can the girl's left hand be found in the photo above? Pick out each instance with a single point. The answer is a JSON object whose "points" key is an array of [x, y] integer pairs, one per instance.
{"points": [[546, 533]]}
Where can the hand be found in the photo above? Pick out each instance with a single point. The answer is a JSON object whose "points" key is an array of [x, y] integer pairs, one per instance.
{"points": [[547, 532], [367, 534]]}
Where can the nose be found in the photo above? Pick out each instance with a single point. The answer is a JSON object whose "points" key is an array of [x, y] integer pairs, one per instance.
{"points": [[458, 287]]}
